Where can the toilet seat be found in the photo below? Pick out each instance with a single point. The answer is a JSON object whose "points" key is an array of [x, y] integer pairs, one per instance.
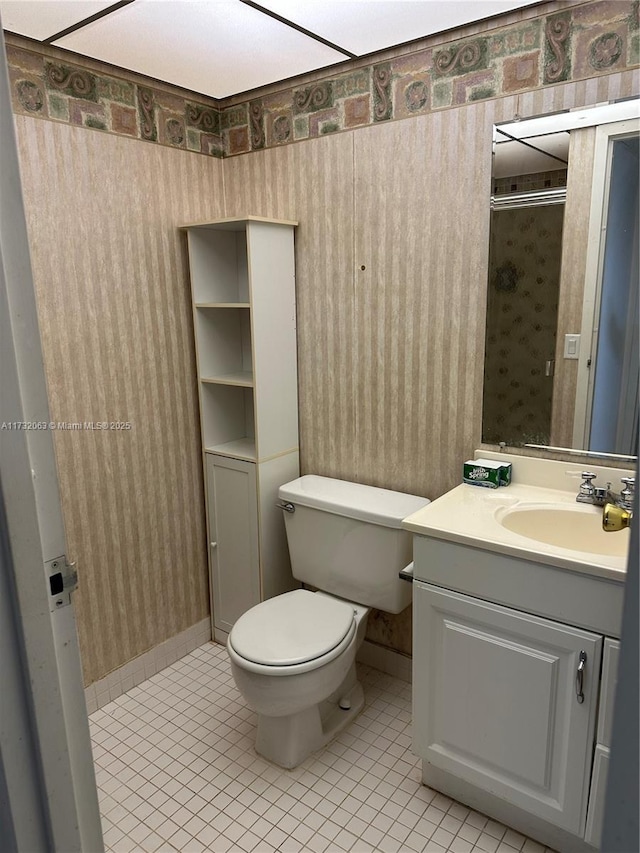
{"points": [[295, 632]]}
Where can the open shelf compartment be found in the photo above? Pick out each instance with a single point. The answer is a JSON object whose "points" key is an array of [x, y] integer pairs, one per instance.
{"points": [[218, 264], [224, 345], [228, 420]]}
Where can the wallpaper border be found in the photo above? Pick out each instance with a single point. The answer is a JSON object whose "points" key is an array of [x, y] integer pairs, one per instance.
{"points": [[578, 42]]}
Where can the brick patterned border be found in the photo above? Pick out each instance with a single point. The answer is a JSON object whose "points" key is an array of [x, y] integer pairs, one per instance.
{"points": [[579, 42]]}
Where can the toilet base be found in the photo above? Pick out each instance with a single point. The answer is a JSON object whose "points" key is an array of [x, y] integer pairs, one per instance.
{"points": [[288, 740]]}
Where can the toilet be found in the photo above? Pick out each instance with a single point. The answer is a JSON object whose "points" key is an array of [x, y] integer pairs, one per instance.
{"points": [[293, 656]]}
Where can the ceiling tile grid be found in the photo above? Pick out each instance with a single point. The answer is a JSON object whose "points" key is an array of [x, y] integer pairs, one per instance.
{"points": [[224, 47], [216, 48]]}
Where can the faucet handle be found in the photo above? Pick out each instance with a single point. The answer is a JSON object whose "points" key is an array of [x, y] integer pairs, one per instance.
{"points": [[586, 487], [626, 495]]}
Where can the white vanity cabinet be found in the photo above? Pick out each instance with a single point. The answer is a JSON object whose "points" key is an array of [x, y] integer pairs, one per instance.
{"points": [[244, 314], [506, 701], [497, 721], [515, 642]]}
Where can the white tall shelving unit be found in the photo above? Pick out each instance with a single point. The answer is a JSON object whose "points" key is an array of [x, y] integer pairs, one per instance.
{"points": [[243, 292]]}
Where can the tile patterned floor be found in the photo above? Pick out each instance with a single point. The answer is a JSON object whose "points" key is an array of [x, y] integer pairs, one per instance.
{"points": [[176, 771]]}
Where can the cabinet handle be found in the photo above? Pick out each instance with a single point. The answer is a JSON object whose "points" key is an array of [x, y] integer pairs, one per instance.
{"points": [[582, 663], [214, 544]]}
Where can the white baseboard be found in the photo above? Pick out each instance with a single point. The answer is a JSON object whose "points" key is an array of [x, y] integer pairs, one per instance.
{"points": [[386, 660], [139, 669]]}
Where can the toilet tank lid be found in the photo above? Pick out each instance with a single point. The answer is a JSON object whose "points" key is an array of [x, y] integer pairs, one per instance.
{"points": [[353, 500]]}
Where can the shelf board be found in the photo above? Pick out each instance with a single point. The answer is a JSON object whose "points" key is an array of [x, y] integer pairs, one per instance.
{"points": [[241, 378], [241, 448], [222, 305]]}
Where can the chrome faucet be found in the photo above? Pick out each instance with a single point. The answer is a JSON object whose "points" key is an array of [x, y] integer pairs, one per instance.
{"points": [[590, 494], [617, 508]]}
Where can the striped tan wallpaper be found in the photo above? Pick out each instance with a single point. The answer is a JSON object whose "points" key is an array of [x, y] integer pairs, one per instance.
{"points": [[391, 256], [114, 309]]}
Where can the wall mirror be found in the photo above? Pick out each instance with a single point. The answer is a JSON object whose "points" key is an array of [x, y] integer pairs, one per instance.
{"points": [[561, 347]]}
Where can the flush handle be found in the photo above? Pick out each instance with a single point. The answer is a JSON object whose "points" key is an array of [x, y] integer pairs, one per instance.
{"points": [[582, 664], [287, 507]]}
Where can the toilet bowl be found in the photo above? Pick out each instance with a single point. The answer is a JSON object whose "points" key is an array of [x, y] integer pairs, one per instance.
{"points": [[293, 659], [293, 656]]}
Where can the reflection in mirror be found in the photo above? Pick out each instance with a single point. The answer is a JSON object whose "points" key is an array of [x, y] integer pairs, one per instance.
{"points": [[560, 370], [611, 411], [522, 300]]}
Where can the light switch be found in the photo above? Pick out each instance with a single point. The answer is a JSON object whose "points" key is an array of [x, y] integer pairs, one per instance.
{"points": [[571, 346]]}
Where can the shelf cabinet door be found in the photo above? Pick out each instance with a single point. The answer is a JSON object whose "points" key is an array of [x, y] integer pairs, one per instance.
{"points": [[495, 702], [232, 511]]}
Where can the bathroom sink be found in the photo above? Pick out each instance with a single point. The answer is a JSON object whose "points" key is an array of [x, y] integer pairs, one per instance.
{"points": [[535, 519], [577, 528]]}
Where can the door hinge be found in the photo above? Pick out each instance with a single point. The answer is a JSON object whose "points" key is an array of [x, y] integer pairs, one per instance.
{"points": [[63, 580]]}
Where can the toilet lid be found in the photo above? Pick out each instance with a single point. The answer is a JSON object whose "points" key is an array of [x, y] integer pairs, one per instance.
{"points": [[291, 628]]}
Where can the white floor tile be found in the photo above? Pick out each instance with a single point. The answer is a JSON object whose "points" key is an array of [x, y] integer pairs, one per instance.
{"points": [[177, 773]]}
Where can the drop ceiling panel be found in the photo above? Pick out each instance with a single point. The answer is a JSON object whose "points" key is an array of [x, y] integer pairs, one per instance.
{"points": [[40, 19], [218, 48], [363, 27]]}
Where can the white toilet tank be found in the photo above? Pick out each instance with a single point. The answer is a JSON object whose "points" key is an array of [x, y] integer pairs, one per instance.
{"points": [[345, 539]]}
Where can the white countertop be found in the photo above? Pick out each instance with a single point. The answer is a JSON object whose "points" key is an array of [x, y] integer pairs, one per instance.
{"points": [[469, 515]]}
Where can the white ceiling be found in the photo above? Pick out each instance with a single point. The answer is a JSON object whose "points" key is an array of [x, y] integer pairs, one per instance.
{"points": [[224, 47]]}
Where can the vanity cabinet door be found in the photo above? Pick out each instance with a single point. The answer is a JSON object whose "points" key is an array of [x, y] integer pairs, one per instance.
{"points": [[595, 814], [597, 796], [496, 702]]}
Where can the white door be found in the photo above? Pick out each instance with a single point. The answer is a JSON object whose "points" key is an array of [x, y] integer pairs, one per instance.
{"points": [[497, 702], [48, 798], [606, 414]]}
